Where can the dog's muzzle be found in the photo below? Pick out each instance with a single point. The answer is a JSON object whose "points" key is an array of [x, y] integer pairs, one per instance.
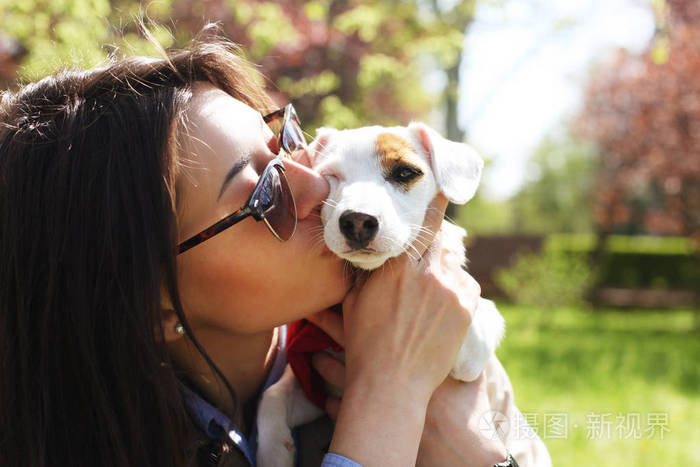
{"points": [[358, 228]]}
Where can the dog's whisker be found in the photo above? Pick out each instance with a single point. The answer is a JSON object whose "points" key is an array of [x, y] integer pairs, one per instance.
{"points": [[314, 140], [420, 244], [411, 255], [390, 265], [422, 229], [306, 133], [348, 270], [411, 250], [317, 228], [419, 228], [411, 247], [317, 240], [422, 238]]}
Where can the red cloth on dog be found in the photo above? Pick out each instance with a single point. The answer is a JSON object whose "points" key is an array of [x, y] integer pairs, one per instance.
{"points": [[303, 340]]}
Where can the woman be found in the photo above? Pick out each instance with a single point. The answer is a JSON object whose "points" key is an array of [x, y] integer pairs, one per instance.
{"points": [[113, 345]]}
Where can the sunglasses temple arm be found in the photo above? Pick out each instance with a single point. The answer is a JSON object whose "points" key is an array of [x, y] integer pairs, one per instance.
{"points": [[214, 229]]}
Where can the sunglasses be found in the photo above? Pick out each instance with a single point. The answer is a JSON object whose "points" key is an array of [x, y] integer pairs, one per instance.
{"points": [[272, 200]]}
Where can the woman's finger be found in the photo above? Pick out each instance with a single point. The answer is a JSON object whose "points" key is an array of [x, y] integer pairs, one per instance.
{"points": [[331, 323], [431, 225], [301, 156], [351, 297], [330, 369], [332, 407]]}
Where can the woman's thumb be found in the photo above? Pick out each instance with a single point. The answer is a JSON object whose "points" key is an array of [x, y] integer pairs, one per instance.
{"points": [[431, 225]]}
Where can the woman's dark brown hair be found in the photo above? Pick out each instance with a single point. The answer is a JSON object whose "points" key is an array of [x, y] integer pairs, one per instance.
{"points": [[88, 236]]}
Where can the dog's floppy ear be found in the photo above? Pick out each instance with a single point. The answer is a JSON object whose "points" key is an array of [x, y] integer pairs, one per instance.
{"points": [[456, 166]]}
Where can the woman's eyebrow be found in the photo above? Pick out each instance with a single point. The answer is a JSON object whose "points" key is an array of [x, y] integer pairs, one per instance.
{"points": [[240, 165]]}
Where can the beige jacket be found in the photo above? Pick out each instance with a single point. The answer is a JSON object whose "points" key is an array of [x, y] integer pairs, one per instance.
{"points": [[511, 426]]}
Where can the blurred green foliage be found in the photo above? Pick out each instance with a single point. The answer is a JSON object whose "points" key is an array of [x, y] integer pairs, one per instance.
{"points": [[648, 271], [562, 274], [557, 195], [625, 244], [343, 63], [483, 216], [637, 261], [549, 278], [580, 363], [56, 32], [83, 33]]}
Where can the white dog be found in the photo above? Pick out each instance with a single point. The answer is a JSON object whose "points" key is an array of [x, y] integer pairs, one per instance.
{"points": [[381, 183]]}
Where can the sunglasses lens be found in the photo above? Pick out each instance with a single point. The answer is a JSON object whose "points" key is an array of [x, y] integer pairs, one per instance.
{"points": [[292, 136], [278, 205]]}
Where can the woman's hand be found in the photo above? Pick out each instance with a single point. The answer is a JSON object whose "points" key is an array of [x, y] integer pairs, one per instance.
{"points": [[454, 433], [458, 428]]}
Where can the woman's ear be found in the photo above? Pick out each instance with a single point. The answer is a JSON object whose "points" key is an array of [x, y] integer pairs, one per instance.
{"points": [[172, 329]]}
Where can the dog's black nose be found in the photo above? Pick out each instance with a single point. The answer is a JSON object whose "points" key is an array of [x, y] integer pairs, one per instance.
{"points": [[358, 228]]}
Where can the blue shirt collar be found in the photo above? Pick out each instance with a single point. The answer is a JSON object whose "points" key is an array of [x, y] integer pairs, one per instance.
{"points": [[215, 423]]}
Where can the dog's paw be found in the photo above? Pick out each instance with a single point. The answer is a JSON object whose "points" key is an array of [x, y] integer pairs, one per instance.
{"points": [[277, 451], [483, 336], [467, 370], [275, 443]]}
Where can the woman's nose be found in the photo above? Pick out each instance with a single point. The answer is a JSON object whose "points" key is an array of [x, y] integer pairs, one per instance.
{"points": [[309, 188]]}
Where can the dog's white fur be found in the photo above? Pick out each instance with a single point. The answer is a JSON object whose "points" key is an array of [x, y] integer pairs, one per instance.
{"points": [[351, 163]]}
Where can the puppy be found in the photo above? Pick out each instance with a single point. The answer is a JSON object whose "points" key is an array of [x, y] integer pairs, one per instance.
{"points": [[381, 183]]}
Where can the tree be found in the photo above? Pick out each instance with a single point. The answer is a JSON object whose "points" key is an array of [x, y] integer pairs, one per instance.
{"points": [[558, 195], [350, 63], [344, 63], [644, 113]]}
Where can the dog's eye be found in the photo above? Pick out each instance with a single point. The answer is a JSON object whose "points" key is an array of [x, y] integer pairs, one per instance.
{"points": [[404, 174]]}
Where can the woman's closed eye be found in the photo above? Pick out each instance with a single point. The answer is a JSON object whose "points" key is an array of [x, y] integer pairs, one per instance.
{"points": [[235, 170]]}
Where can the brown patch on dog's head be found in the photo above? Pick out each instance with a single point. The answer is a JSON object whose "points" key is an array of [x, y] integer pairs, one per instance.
{"points": [[400, 164]]}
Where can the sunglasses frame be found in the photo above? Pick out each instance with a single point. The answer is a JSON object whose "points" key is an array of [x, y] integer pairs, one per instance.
{"points": [[290, 120], [252, 207]]}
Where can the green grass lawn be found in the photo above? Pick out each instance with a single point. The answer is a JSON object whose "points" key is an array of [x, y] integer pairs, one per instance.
{"points": [[601, 372]]}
